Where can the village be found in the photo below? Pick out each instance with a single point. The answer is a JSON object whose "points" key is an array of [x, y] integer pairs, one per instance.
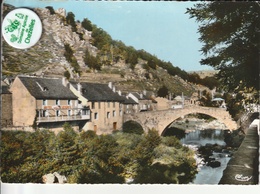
{"points": [[30, 102]]}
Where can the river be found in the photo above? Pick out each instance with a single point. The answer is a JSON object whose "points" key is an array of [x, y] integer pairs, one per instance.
{"points": [[196, 138]]}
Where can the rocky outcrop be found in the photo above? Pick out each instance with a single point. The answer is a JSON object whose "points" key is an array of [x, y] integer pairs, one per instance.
{"points": [[46, 58], [54, 178]]}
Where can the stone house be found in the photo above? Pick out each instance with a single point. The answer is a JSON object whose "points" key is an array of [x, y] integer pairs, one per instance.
{"points": [[6, 106], [46, 102], [145, 101], [130, 106], [105, 104]]}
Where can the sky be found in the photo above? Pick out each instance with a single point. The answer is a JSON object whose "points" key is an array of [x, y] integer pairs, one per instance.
{"points": [[160, 28]]}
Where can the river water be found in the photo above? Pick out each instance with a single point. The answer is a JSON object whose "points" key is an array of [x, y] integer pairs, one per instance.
{"points": [[196, 138]]}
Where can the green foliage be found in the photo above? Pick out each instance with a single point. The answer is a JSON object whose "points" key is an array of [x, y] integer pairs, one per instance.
{"points": [[89, 158], [50, 8], [205, 99], [210, 82], [70, 18], [100, 37], [97, 161], [234, 104], [71, 58], [132, 127], [91, 61], [26, 157], [230, 36], [163, 91], [172, 141], [87, 24], [169, 165], [152, 64], [66, 74], [131, 57]]}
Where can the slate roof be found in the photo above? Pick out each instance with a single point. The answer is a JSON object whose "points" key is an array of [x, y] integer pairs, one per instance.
{"points": [[139, 97], [5, 90], [129, 101], [143, 97], [47, 88], [98, 92]]}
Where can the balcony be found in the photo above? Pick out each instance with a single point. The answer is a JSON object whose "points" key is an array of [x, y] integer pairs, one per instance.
{"points": [[62, 118], [62, 113]]}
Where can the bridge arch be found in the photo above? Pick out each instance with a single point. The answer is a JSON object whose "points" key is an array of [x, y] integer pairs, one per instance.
{"points": [[161, 119]]}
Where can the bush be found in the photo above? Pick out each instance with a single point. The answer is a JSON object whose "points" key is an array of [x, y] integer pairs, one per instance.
{"points": [[132, 127]]}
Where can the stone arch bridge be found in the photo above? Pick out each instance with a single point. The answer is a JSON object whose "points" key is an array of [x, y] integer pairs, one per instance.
{"points": [[162, 118]]}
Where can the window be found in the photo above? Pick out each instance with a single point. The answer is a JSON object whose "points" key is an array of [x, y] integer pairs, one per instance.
{"points": [[96, 116], [44, 113], [108, 115], [69, 112], [93, 105], [57, 102], [57, 113], [69, 102], [120, 113], [114, 113], [44, 102]]}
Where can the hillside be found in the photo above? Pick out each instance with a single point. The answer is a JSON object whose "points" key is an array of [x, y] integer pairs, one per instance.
{"points": [[62, 51]]}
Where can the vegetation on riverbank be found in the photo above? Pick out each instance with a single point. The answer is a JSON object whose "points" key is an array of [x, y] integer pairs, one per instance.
{"points": [[89, 158]]}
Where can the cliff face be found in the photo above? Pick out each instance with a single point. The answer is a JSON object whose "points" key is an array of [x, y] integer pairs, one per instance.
{"points": [[47, 58]]}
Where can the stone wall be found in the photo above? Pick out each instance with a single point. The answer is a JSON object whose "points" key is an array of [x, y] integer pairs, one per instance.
{"points": [[161, 119], [6, 110]]}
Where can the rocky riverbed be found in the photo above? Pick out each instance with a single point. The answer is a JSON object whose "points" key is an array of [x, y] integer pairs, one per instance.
{"points": [[191, 124]]}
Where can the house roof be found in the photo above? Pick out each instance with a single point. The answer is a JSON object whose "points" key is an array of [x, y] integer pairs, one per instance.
{"points": [[148, 96], [5, 88], [140, 97], [129, 101], [98, 92], [47, 88], [178, 98]]}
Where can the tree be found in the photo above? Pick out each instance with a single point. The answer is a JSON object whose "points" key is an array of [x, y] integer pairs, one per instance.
{"points": [[163, 91], [91, 61], [70, 18], [230, 33], [87, 24], [66, 74], [68, 54], [50, 8]]}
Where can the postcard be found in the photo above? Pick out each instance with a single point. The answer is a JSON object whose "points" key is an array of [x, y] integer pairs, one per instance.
{"points": [[129, 96]]}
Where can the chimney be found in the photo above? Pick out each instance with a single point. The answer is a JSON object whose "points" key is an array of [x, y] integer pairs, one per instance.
{"points": [[110, 85], [79, 87], [114, 89], [144, 92], [119, 93], [141, 96]]}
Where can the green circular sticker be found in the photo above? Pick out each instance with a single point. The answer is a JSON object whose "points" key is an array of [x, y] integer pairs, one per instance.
{"points": [[21, 28]]}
